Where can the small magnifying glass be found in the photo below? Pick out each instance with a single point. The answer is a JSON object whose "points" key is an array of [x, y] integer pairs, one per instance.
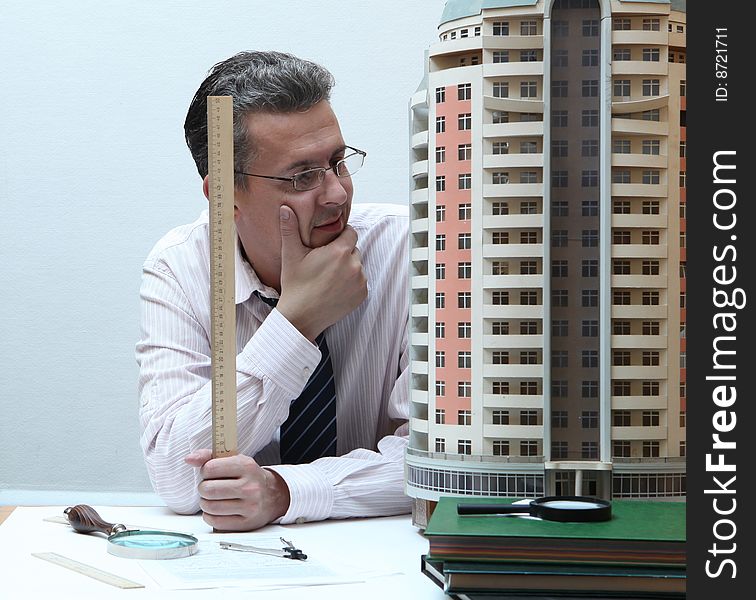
{"points": [[132, 543], [566, 509]]}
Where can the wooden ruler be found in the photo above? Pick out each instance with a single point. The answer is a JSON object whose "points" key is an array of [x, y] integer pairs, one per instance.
{"points": [[220, 164], [88, 570]]}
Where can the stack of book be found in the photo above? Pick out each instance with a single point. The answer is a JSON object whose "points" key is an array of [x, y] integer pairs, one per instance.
{"points": [[639, 553]]}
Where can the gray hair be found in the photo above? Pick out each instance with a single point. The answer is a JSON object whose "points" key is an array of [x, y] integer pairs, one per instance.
{"points": [[271, 82]]}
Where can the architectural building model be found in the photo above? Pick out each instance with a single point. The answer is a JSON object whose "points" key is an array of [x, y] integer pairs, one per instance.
{"points": [[548, 252]]}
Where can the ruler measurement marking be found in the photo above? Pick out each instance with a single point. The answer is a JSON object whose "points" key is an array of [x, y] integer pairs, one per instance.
{"points": [[222, 266], [88, 570]]}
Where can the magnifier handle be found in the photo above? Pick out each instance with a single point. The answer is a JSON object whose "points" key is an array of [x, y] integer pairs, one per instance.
{"points": [[492, 509], [85, 519]]}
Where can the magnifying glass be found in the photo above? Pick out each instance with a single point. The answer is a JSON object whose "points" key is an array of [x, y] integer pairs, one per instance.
{"points": [[132, 543], [567, 509]]}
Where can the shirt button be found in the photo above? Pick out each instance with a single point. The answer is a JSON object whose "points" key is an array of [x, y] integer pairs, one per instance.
{"points": [[306, 371], [300, 520]]}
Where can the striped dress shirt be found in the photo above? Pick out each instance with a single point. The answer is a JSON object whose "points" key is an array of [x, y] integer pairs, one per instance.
{"points": [[370, 358]]}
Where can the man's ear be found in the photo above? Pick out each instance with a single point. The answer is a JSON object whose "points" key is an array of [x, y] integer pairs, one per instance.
{"points": [[205, 184]]}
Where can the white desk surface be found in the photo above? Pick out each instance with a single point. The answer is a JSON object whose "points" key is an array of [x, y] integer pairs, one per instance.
{"points": [[390, 543]]}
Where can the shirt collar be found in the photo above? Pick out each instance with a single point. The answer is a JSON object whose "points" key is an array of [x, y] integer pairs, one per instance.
{"points": [[246, 280]]}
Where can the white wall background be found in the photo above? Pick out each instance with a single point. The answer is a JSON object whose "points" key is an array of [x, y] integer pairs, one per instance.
{"points": [[94, 169]]}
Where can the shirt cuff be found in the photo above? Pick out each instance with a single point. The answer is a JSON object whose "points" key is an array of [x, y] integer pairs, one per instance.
{"points": [[279, 352], [311, 495]]}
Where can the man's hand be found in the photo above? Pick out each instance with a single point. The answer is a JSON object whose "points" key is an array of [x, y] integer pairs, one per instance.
{"points": [[236, 494], [319, 286]]}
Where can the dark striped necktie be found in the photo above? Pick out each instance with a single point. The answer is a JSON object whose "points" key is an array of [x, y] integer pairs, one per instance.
{"points": [[309, 432]]}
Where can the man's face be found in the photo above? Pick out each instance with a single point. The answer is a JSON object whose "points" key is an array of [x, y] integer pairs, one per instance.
{"points": [[287, 144]]}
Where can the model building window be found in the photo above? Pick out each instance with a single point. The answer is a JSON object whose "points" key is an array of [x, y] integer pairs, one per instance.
{"points": [[440, 213], [440, 300], [559, 450], [464, 181], [528, 327], [650, 328], [500, 357], [651, 54], [464, 241], [440, 124], [682, 412], [501, 56], [440, 359], [651, 115], [527, 267], [500, 328], [559, 88], [464, 417], [559, 418], [621, 236], [589, 418], [621, 88], [590, 27], [590, 58], [589, 208], [589, 118], [499, 208], [559, 148], [528, 55], [620, 358], [441, 271], [560, 208], [499, 177], [589, 178], [559, 118], [683, 92], [464, 270], [559, 298], [650, 298], [650, 388], [621, 328], [559, 179], [621, 24], [464, 299], [499, 267], [440, 95], [440, 183], [440, 445], [621, 298], [621, 146], [464, 152], [464, 447], [589, 328], [650, 418], [440, 389], [589, 88], [560, 58], [559, 359], [559, 388], [501, 28], [528, 148], [465, 212], [650, 207], [560, 328], [621, 388], [528, 89], [589, 148], [528, 207], [620, 175], [440, 416], [464, 330], [559, 238], [589, 450], [620, 267], [528, 28], [464, 91], [501, 387], [500, 237], [650, 87], [500, 298], [464, 121], [589, 268], [590, 238], [528, 237], [528, 417], [440, 330], [651, 24], [589, 358], [501, 89], [500, 448], [528, 298], [650, 267], [441, 242], [528, 177], [560, 28], [500, 116], [650, 449], [559, 268], [589, 298], [651, 358], [500, 147], [440, 154], [528, 448], [621, 207], [621, 449], [621, 418]]}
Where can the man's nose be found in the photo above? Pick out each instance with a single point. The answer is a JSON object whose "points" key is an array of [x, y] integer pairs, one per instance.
{"points": [[332, 190]]}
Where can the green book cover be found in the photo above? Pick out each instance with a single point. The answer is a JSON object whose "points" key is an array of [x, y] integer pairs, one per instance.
{"points": [[631, 520]]}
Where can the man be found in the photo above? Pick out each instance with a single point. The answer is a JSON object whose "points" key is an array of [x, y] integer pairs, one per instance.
{"points": [[320, 285]]}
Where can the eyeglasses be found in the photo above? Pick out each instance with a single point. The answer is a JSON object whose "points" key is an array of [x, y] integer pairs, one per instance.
{"points": [[312, 178]]}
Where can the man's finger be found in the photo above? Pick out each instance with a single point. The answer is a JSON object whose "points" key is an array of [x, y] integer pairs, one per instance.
{"points": [[292, 247], [198, 457]]}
